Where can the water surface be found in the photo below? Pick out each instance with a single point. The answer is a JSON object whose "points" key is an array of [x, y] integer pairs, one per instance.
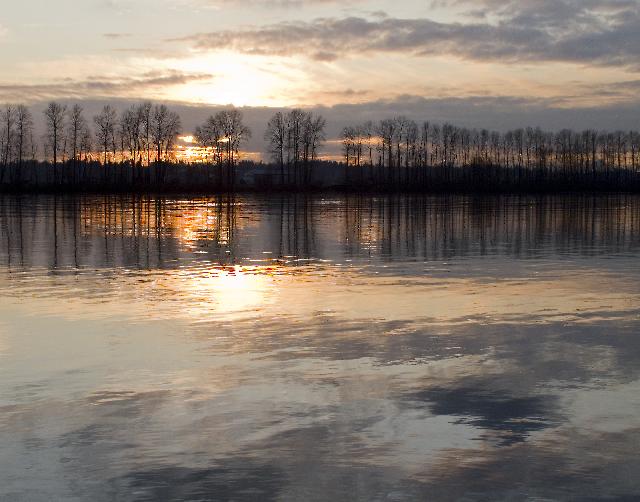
{"points": [[314, 348]]}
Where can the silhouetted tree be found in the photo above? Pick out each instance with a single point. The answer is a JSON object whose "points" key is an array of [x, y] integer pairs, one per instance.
{"points": [[209, 136], [23, 137], [54, 118], [294, 139], [276, 138], [313, 137], [76, 127], [8, 123], [105, 123], [165, 127], [234, 134]]}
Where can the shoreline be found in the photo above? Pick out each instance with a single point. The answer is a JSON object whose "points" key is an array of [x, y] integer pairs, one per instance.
{"points": [[318, 191]]}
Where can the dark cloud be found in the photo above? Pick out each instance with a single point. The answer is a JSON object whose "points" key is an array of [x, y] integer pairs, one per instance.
{"points": [[493, 112], [592, 32]]}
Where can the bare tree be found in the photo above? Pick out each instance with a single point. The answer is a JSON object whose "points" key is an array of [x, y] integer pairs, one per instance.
{"points": [[234, 134], [136, 129], [159, 121], [276, 137], [386, 131], [174, 127], [348, 137], [314, 136], [54, 118], [295, 120], [86, 144], [294, 139], [77, 124], [165, 127], [23, 137], [105, 123], [209, 136], [145, 125], [8, 123]]}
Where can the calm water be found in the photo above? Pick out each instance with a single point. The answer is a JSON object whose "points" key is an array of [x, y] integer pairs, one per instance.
{"points": [[319, 348]]}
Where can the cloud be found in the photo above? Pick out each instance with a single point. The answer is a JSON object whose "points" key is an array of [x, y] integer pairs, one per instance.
{"points": [[348, 93], [605, 33], [116, 36], [94, 86], [272, 3]]}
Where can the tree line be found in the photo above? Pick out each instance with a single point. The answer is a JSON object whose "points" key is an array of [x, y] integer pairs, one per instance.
{"points": [[141, 136], [135, 149], [402, 152]]}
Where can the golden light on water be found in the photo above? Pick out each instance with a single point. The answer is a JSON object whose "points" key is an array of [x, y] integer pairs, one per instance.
{"points": [[217, 275], [230, 290]]}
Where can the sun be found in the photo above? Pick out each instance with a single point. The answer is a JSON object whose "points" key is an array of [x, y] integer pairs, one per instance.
{"points": [[235, 79]]}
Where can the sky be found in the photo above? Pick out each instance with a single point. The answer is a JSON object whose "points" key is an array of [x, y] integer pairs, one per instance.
{"points": [[480, 63]]}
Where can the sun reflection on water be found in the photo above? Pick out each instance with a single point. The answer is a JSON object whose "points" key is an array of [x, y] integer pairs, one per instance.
{"points": [[230, 290]]}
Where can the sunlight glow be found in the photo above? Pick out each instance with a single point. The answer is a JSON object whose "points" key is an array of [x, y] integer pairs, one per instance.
{"points": [[188, 150], [230, 290], [236, 79]]}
